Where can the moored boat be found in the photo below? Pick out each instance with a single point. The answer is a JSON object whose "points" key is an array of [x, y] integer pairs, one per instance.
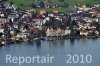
{"points": [[49, 38], [2, 42]]}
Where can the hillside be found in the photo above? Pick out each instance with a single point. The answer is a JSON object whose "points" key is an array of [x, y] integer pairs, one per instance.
{"points": [[27, 4]]}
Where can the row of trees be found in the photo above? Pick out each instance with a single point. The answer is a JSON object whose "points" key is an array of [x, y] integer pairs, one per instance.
{"points": [[42, 4]]}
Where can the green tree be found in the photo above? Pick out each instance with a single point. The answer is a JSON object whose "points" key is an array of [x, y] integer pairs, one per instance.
{"points": [[61, 0]]}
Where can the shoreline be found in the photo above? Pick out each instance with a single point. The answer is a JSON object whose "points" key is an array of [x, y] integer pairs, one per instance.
{"points": [[49, 39]]}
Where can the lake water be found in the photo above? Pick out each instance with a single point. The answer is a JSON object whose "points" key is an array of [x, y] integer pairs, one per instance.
{"points": [[59, 49]]}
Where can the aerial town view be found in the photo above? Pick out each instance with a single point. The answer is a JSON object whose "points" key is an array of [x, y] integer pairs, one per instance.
{"points": [[49, 32]]}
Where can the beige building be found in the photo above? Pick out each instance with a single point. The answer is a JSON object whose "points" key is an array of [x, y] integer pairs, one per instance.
{"points": [[57, 32], [3, 21]]}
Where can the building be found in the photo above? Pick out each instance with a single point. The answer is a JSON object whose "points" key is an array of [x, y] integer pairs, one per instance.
{"points": [[3, 21]]}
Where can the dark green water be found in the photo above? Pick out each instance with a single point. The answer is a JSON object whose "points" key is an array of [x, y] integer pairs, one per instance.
{"points": [[59, 49]]}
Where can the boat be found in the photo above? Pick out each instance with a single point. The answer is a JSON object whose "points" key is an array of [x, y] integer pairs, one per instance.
{"points": [[36, 39], [49, 38], [2, 42]]}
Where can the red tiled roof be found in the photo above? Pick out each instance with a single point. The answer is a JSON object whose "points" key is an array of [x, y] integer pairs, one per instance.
{"points": [[36, 20]]}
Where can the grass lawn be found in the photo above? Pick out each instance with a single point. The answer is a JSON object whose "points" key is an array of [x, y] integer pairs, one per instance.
{"points": [[27, 4], [55, 9]]}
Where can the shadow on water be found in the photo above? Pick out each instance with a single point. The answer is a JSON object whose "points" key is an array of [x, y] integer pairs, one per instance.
{"points": [[58, 42], [38, 43], [72, 41], [94, 39], [83, 40]]}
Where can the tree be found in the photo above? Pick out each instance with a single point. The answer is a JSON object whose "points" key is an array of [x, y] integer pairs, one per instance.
{"points": [[65, 5], [11, 3], [61, 0], [33, 5], [21, 5], [41, 4], [73, 32], [2, 0]]}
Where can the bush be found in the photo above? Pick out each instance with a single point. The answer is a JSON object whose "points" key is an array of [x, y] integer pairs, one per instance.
{"points": [[33, 5], [41, 4]]}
